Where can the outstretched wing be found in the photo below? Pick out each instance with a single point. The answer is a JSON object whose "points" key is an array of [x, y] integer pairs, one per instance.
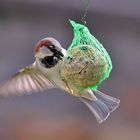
{"points": [[26, 81]]}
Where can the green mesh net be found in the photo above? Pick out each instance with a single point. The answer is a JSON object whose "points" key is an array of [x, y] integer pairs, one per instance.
{"points": [[82, 36]]}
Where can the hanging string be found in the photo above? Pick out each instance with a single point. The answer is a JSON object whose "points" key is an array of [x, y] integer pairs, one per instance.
{"points": [[86, 5]]}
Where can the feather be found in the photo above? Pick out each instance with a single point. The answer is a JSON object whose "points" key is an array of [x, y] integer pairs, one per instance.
{"points": [[26, 81]]}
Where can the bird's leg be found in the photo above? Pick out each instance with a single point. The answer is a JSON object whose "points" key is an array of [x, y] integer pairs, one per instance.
{"points": [[67, 87]]}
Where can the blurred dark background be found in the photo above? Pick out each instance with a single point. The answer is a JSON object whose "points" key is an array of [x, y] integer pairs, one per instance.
{"points": [[55, 115]]}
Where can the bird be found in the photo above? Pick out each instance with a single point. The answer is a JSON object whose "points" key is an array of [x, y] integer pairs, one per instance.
{"points": [[78, 71]]}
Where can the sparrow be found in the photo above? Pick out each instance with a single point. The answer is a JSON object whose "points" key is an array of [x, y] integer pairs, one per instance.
{"points": [[77, 71]]}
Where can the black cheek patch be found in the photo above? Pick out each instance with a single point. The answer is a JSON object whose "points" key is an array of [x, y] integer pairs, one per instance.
{"points": [[49, 61]]}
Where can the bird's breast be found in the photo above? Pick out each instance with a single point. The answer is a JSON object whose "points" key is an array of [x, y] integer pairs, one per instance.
{"points": [[53, 75]]}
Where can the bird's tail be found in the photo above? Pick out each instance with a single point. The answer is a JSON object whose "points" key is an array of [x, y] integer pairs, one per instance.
{"points": [[102, 106]]}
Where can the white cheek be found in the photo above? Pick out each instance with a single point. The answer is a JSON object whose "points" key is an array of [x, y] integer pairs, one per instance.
{"points": [[45, 52]]}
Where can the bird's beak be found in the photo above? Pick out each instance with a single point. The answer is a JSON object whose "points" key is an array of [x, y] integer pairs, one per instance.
{"points": [[59, 55]]}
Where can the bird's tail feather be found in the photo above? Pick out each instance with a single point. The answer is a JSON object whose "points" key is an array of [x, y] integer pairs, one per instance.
{"points": [[111, 102], [102, 106]]}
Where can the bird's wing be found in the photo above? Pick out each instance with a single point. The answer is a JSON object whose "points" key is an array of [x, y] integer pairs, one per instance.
{"points": [[26, 81]]}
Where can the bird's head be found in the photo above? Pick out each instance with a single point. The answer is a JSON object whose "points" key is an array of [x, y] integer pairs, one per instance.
{"points": [[49, 52]]}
